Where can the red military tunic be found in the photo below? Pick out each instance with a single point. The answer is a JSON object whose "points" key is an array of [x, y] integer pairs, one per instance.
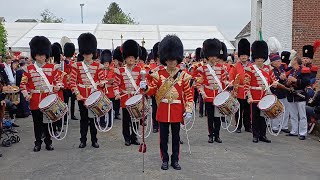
{"points": [[177, 101], [80, 83], [206, 83], [126, 88], [253, 85], [33, 83], [238, 70], [111, 88]]}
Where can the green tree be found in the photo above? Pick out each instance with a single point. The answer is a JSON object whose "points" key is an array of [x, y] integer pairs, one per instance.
{"points": [[115, 15], [3, 39], [49, 17]]}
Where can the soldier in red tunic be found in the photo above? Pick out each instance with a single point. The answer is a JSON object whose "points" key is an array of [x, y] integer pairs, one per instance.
{"points": [[255, 88], [117, 61], [173, 96], [128, 78], [82, 86], [237, 76], [34, 87], [212, 80]]}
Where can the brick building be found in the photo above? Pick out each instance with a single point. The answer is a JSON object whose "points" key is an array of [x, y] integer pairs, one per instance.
{"points": [[293, 22]]}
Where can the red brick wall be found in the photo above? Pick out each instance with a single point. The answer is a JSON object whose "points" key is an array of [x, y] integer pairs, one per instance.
{"points": [[306, 26]]}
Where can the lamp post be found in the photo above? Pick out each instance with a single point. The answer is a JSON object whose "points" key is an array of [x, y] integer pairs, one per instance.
{"points": [[81, 5]]}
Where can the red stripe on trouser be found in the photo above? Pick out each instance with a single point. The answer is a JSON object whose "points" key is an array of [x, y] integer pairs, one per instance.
{"points": [[160, 143]]}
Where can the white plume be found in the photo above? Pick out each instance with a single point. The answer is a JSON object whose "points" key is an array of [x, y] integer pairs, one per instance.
{"points": [[274, 45]]}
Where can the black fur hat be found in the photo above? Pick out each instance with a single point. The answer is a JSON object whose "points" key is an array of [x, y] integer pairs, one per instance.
{"points": [[198, 54], [87, 44], [69, 49], [106, 56], [155, 50], [244, 47], [130, 48], [55, 53], [211, 48], [260, 50], [80, 58], [307, 51], [285, 57], [59, 46], [117, 54], [224, 55], [40, 45], [143, 54], [170, 48]]}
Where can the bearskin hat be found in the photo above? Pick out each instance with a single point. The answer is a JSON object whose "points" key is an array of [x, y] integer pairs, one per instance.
{"points": [[211, 48], [244, 47], [143, 54], [69, 49], [155, 50], [259, 50], [87, 44], [150, 56], [308, 51], [59, 46], [106, 56], [224, 55], [171, 48], [285, 57], [40, 45], [80, 58], [198, 54], [117, 54], [55, 53], [130, 48]]}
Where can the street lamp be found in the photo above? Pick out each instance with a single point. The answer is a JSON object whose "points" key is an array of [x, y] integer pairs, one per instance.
{"points": [[81, 5]]}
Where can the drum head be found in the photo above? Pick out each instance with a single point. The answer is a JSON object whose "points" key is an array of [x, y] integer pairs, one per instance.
{"points": [[221, 98], [92, 98], [133, 100], [267, 101], [47, 101]]}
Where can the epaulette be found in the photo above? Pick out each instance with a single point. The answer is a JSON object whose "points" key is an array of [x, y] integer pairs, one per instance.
{"points": [[116, 71], [305, 70], [314, 68]]}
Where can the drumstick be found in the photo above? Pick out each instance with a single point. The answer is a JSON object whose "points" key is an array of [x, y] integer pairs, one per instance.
{"points": [[228, 85]]}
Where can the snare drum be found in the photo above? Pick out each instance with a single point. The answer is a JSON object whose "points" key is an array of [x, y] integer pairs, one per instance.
{"points": [[270, 106], [226, 103], [98, 104], [12, 94], [134, 107], [53, 107]]}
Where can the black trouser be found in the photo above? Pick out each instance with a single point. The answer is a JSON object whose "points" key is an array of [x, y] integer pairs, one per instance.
{"points": [[154, 113], [85, 122], [126, 123], [244, 114], [39, 128], [164, 135], [259, 126], [102, 119], [213, 130], [66, 95], [195, 97], [201, 103], [116, 106]]}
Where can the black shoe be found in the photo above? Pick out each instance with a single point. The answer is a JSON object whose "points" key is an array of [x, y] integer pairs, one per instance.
{"points": [[37, 148], [285, 130], [117, 117], [95, 145], [291, 134], [0, 155], [210, 139], [165, 166], [15, 125], [302, 137], [218, 140], [136, 142], [127, 143], [238, 131], [255, 140], [264, 139], [82, 145], [181, 142], [155, 130], [248, 130], [201, 115], [176, 165], [49, 147], [74, 118], [275, 131]]}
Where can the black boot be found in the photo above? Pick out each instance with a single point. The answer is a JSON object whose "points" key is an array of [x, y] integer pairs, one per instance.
{"points": [[82, 145], [135, 142], [210, 139], [176, 165], [165, 166], [127, 143], [255, 140], [37, 148], [95, 145], [49, 147], [74, 118], [218, 140], [238, 131], [264, 139], [181, 142]]}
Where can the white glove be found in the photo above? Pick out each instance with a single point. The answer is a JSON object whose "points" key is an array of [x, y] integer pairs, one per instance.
{"points": [[187, 116], [143, 84]]}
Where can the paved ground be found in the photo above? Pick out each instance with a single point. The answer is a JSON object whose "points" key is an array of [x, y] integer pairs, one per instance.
{"points": [[236, 158]]}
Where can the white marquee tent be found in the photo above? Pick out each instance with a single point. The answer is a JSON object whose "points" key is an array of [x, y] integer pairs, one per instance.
{"points": [[20, 34]]}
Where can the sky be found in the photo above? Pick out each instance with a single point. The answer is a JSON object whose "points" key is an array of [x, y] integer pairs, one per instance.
{"points": [[230, 16]]}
